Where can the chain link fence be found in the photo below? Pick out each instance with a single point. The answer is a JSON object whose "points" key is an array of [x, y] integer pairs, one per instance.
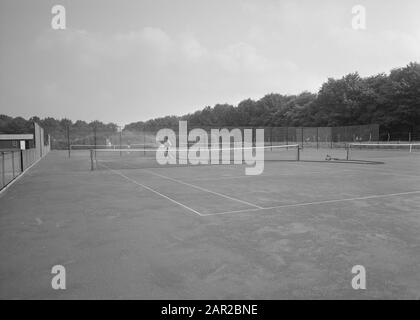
{"points": [[309, 137], [403, 135], [14, 161]]}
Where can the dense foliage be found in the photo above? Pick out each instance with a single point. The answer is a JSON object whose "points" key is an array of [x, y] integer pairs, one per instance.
{"points": [[390, 100], [60, 130]]}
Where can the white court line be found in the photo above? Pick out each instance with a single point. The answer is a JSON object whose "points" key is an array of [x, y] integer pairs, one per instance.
{"points": [[380, 171], [259, 176], [316, 203], [203, 189], [152, 190], [327, 171], [237, 177], [359, 167], [364, 169]]}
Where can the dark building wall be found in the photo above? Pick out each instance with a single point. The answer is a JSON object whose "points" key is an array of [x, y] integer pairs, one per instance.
{"points": [[15, 144], [9, 144]]}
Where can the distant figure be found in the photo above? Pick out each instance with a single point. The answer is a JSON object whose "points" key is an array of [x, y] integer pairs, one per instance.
{"points": [[329, 158], [167, 143]]}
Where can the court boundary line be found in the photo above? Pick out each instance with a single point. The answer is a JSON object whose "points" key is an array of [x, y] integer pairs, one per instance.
{"points": [[345, 171], [256, 176], [303, 204], [154, 191], [255, 207], [383, 172], [203, 189]]}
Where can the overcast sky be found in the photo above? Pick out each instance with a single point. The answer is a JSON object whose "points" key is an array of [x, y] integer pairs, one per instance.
{"points": [[131, 60]]}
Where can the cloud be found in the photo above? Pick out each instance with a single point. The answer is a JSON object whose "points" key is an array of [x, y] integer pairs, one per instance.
{"points": [[358, 48], [154, 47], [149, 69], [192, 48], [241, 57], [408, 43]]}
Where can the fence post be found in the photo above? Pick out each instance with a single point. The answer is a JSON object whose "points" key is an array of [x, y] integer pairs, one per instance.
{"points": [[120, 129], [302, 137], [3, 177], [144, 142], [271, 138], [91, 160], [21, 161], [68, 140], [317, 138], [13, 164], [94, 135]]}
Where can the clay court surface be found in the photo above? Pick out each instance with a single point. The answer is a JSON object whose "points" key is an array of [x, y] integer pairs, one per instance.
{"points": [[211, 232]]}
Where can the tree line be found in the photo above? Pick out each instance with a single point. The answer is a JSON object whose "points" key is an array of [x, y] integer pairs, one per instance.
{"points": [[60, 130], [390, 100]]}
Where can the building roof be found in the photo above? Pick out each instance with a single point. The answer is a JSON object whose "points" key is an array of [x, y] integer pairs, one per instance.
{"points": [[25, 136]]}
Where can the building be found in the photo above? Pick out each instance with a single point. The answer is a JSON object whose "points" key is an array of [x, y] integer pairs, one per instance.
{"points": [[17, 141]]}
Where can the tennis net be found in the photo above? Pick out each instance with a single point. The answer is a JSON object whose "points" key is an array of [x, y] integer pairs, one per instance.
{"points": [[357, 151], [84, 147], [147, 158]]}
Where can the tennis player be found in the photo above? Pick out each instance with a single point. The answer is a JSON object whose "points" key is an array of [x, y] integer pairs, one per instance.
{"points": [[167, 143]]}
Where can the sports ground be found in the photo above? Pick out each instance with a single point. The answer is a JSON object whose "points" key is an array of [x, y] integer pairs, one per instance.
{"points": [[211, 232]]}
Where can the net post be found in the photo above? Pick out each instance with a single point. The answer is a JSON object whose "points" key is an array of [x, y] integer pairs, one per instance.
{"points": [[298, 153], [411, 145]]}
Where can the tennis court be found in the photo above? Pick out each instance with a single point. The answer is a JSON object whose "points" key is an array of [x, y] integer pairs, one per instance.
{"points": [[197, 232]]}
